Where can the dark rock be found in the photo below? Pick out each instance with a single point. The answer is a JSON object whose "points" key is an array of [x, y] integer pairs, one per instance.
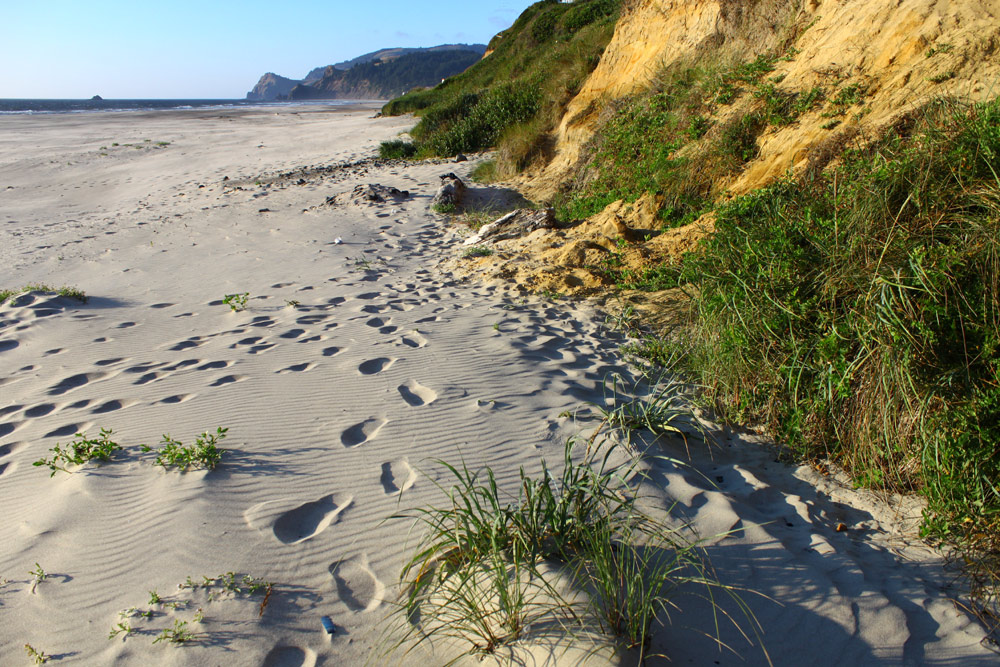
{"points": [[97, 98], [451, 192], [514, 225], [461, 158]]}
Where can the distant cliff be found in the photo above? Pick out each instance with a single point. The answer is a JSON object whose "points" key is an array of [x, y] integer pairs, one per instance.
{"points": [[377, 75], [383, 79], [271, 86]]}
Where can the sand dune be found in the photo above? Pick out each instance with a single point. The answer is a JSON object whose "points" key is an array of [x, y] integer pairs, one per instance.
{"points": [[352, 369]]}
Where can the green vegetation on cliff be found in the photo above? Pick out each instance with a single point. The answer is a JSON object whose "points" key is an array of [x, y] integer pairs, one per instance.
{"points": [[516, 94]]}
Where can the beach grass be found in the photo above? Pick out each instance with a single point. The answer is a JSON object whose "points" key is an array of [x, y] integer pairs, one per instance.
{"points": [[572, 555]]}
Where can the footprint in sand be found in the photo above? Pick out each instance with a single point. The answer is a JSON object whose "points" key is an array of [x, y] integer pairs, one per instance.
{"points": [[397, 476], [182, 364], [75, 382], [10, 409], [148, 377], [187, 344], [310, 519], [331, 351], [68, 430], [39, 410], [362, 432], [290, 656], [6, 345], [297, 368], [228, 379], [416, 394], [309, 320], [176, 398], [414, 340], [112, 406], [373, 366], [293, 333], [357, 585]]}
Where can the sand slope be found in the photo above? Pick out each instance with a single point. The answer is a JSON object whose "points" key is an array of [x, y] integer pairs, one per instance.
{"points": [[337, 407]]}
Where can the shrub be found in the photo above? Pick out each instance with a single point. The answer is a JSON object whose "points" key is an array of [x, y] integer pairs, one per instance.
{"points": [[396, 149]]}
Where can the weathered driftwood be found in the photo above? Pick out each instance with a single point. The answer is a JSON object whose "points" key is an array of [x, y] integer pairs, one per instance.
{"points": [[514, 225]]}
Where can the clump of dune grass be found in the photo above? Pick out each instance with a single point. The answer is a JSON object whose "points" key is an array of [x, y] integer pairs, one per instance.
{"points": [[572, 554]]}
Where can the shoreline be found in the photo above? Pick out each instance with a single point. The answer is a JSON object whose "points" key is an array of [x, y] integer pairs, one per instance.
{"points": [[156, 105], [337, 406]]}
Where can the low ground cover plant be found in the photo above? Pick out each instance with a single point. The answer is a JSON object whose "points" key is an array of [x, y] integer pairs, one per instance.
{"points": [[81, 451], [236, 302], [204, 453], [71, 292]]}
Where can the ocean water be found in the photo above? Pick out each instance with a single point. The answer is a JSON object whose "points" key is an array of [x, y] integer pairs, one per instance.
{"points": [[26, 106]]}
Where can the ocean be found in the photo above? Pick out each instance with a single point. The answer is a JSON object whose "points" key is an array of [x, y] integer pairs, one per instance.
{"points": [[27, 106]]}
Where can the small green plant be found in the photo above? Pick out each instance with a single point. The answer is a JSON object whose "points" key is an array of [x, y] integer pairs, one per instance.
{"points": [[178, 634], [477, 251], [204, 453], [154, 597], [38, 575], [942, 77], [445, 208], [291, 303], [236, 302], [123, 628], [550, 294], [81, 451], [38, 657], [624, 320], [229, 582], [134, 611], [939, 48]]}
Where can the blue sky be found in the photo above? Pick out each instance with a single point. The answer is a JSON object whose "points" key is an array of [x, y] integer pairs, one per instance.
{"points": [[210, 49]]}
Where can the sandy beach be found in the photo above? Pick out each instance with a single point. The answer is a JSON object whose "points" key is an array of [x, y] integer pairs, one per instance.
{"points": [[361, 359]]}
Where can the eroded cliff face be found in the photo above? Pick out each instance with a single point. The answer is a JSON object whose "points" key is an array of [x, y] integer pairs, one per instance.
{"points": [[900, 53], [894, 56]]}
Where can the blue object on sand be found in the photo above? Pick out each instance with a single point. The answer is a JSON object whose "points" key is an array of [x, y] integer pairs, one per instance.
{"points": [[328, 625]]}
